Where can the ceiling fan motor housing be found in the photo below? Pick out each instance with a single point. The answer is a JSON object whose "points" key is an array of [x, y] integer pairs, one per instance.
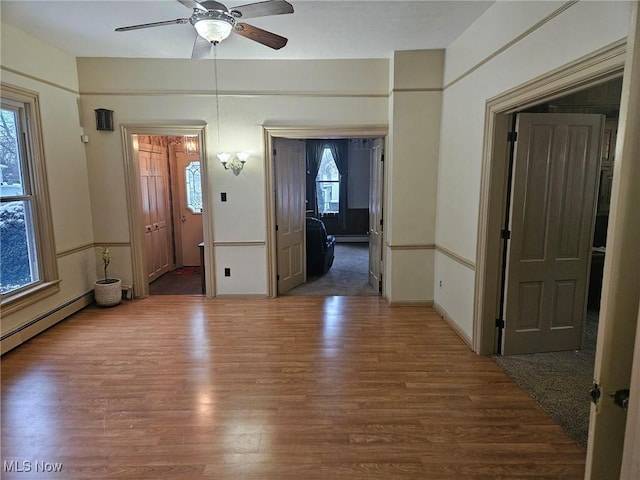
{"points": [[211, 5]]}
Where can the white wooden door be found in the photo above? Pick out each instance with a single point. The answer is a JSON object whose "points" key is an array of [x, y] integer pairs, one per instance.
{"points": [[375, 215], [617, 346], [289, 159], [554, 193], [155, 209], [631, 449], [189, 201]]}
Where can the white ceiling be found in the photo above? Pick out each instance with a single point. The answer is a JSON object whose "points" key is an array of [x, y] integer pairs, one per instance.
{"points": [[316, 30]]}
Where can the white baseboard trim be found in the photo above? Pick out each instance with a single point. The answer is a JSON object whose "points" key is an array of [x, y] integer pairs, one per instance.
{"points": [[30, 329], [447, 318]]}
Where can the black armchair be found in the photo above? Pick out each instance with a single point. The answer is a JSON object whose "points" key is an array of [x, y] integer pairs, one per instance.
{"points": [[320, 247]]}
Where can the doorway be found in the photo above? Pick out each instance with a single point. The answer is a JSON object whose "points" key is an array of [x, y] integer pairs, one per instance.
{"points": [[170, 174], [145, 202], [559, 380], [322, 203], [582, 127]]}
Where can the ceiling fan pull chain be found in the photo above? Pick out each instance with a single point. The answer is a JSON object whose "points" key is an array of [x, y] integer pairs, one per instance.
{"points": [[215, 75]]}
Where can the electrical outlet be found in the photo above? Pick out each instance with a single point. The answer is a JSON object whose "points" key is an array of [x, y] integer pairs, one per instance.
{"points": [[227, 272], [440, 283]]}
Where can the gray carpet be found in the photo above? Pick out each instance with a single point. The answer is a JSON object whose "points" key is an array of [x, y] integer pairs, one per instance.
{"points": [[348, 276], [560, 381]]}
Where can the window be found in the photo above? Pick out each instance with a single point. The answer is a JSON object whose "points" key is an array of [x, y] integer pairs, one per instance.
{"points": [[27, 257], [328, 184]]}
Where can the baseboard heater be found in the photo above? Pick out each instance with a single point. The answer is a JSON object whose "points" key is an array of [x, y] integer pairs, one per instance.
{"points": [[77, 303], [127, 292]]}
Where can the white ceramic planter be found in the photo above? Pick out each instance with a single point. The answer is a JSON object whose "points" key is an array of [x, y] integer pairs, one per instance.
{"points": [[108, 294]]}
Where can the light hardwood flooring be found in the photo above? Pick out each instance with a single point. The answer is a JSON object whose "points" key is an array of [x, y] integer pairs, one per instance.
{"points": [[185, 387]]}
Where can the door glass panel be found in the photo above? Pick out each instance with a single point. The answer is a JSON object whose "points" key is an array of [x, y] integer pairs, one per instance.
{"points": [[193, 187]]}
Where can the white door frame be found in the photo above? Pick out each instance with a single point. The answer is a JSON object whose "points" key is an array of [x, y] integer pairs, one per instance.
{"points": [[601, 66], [374, 131], [134, 205]]}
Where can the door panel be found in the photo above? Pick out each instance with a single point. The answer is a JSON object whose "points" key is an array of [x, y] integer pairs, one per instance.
{"points": [[290, 182], [375, 215], [556, 167], [534, 176]]}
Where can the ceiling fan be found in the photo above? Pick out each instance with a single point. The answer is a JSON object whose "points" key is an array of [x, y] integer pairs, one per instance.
{"points": [[214, 22]]}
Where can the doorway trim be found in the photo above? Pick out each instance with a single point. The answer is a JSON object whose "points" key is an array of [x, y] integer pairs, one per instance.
{"points": [[598, 67], [298, 132], [134, 202]]}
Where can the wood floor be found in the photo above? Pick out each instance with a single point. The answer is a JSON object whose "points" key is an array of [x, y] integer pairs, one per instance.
{"points": [[185, 387]]}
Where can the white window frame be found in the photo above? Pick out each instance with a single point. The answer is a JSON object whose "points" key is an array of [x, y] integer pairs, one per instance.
{"points": [[37, 191], [337, 182]]}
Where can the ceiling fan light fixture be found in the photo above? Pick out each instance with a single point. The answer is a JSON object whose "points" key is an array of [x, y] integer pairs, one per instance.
{"points": [[213, 30]]}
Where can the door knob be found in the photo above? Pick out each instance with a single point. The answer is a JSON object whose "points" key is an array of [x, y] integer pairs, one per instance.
{"points": [[183, 218]]}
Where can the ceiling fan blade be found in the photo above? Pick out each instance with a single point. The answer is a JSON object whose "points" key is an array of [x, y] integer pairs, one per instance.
{"points": [[154, 24], [262, 9], [201, 48], [261, 36], [192, 4]]}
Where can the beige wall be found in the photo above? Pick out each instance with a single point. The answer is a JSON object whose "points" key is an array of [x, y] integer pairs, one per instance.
{"points": [[251, 94], [411, 174], [504, 48], [433, 158], [31, 64]]}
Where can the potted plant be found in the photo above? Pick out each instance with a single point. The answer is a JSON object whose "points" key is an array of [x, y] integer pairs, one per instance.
{"points": [[107, 291]]}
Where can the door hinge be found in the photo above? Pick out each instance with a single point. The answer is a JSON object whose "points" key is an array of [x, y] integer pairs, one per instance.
{"points": [[499, 323], [621, 398], [380, 285], [276, 228], [595, 393], [380, 222], [278, 277], [274, 152], [512, 136], [505, 234], [382, 157]]}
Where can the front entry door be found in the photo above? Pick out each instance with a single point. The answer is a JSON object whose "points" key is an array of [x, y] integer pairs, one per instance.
{"points": [[555, 179], [190, 207], [289, 159], [375, 216]]}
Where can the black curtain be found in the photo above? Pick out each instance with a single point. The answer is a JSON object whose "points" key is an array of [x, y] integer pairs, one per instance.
{"points": [[314, 156], [340, 151]]}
